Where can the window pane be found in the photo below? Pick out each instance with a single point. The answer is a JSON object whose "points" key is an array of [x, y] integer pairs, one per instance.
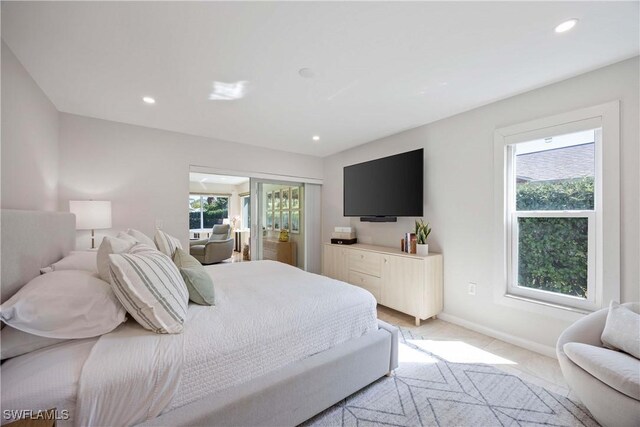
{"points": [[216, 209], [552, 254], [556, 173], [194, 212]]}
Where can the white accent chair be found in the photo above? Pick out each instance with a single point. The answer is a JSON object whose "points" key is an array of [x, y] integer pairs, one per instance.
{"points": [[602, 395], [216, 248]]}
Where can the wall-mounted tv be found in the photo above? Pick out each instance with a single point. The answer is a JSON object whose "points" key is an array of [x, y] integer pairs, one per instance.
{"points": [[384, 189]]}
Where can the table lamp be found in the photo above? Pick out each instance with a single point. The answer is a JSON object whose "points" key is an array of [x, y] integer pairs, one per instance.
{"points": [[91, 215]]}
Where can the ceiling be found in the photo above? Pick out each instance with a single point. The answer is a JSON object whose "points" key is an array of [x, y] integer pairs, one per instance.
{"points": [[378, 68], [216, 179]]}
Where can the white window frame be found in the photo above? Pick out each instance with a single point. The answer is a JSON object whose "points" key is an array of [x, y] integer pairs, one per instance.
{"points": [[604, 221]]}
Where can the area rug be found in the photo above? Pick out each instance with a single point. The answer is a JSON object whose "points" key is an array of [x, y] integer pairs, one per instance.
{"points": [[428, 390]]}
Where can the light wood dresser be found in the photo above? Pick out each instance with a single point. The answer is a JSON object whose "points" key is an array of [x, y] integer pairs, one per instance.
{"points": [[280, 251], [408, 283]]}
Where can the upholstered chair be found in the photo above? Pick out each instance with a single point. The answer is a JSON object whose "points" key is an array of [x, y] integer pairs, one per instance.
{"points": [[216, 248], [598, 376]]}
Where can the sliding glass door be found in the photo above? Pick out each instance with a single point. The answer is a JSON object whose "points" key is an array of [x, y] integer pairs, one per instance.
{"points": [[278, 233]]}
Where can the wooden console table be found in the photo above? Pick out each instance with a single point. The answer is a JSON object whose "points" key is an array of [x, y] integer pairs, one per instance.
{"points": [[280, 251]]}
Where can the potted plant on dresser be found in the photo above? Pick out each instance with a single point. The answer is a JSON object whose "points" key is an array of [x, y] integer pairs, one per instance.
{"points": [[422, 233]]}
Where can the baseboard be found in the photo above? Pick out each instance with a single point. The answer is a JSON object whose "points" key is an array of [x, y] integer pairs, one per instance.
{"points": [[511, 339]]}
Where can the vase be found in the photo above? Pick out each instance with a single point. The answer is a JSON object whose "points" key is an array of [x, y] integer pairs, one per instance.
{"points": [[422, 250]]}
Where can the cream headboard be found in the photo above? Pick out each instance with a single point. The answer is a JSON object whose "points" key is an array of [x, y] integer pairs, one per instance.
{"points": [[29, 241]]}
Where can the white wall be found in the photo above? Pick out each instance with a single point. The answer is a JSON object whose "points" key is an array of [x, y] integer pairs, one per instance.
{"points": [[29, 141], [145, 172], [458, 196]]}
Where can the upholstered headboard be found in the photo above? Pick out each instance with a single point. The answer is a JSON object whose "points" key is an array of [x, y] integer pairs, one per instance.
{"points": [[29, 241]]}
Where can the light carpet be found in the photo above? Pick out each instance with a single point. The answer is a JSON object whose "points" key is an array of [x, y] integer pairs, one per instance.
{"points": [[428, 390]]}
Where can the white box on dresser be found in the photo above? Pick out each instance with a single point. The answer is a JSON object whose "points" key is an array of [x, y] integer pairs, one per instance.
{"points": [[409, 283]]}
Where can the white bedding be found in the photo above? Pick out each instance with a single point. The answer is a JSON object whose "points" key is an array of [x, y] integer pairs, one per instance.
{"points": [[267, 315], [46, 378]]}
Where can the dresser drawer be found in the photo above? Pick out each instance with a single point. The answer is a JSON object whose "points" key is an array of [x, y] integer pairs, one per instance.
{"points": [[365, 281], [365, 262]]}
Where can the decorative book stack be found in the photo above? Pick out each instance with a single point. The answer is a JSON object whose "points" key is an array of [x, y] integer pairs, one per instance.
{"points": [[408, 244]]}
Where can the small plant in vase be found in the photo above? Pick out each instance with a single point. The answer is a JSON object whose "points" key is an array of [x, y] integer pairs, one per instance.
{"points": [[422, 233]]}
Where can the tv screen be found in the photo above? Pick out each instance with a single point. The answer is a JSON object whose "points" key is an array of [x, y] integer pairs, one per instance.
{"points": [[387, 187]]}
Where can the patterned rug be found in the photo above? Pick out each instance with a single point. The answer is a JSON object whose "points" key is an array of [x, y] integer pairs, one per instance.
{"points": [[428, 390]]}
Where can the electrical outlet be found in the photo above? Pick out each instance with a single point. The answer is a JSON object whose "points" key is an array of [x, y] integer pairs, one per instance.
{"points": [[472, 288]]}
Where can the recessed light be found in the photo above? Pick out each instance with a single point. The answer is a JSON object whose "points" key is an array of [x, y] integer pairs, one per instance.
{"points": [[307, 73], [566, 25], [148, 100], [316, 138]]}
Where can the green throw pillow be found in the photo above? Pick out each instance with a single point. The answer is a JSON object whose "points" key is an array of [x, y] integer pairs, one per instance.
{"points": [[198, 281], [182, 259]]}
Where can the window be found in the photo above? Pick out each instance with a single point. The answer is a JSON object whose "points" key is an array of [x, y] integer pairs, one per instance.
{"points": [[207, 210], [558, 212], [552, 217], [245, 203]]}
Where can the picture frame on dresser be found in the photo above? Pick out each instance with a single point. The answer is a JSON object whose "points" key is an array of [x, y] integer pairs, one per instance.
{"points": [[295, 222], [269, 200], [276, 199], [269, 219], [276, 220], [295, 198]]}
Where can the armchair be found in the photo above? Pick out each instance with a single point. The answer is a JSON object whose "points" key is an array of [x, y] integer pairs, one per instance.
{"points": [[216, 248], [602, 396]]}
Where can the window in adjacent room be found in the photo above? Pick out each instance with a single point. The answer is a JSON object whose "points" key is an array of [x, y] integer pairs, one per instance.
{"points": [[207, 210]]}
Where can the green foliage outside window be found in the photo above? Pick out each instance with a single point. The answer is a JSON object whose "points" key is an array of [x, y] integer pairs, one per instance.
{"points": [[215, 209], [552, 252]]}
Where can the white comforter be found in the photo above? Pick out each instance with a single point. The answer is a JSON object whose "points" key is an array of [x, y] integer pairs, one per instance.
{"points": [[267, 315]]}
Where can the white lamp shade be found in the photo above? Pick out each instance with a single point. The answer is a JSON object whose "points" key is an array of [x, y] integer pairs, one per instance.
{"points": [[91, 214]]}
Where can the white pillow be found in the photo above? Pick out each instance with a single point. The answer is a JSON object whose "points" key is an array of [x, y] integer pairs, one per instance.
{"points": [[141, 237], [64, 304], [166, 244], [15, 342], [110, 245], [151, 288], [76, 260], [127, 237], [622, 330]]}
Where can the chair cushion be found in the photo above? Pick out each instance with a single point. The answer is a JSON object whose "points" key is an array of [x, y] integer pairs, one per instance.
{"points": [[197, 250], [622, 330], [616, 369], [220, 232]]}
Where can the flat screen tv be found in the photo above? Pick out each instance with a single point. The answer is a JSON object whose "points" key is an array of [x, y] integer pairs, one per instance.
{"points": [[384, 189]]}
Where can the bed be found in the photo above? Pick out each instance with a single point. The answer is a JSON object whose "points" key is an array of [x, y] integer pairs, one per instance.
{"points": [[255, 359]]}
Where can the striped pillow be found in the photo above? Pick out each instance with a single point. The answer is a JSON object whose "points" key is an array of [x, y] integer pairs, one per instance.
{"points": [[165, 243], [150, 287]]}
